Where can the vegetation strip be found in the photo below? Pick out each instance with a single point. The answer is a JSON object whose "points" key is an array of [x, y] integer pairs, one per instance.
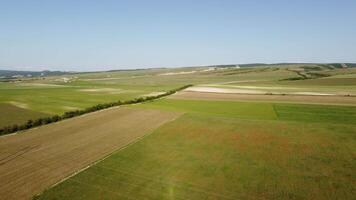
{"points": [[303, 75], [47, 120]]}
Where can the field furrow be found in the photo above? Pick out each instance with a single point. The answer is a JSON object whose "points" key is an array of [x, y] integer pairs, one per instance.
{"points": [[36, 159]]}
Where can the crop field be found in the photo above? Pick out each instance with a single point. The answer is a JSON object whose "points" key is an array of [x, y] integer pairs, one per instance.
{"points": [[306, 99], [227, 150], [261, 132], [58, 94], [34, 160], [10, 114], [178, 100]]}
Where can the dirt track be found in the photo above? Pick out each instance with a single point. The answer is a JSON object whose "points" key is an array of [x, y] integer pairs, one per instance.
{"points": [[32, 161], [332, 100]]}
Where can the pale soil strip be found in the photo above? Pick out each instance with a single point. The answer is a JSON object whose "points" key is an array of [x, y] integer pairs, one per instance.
{"points": [[177, 73], [222, 90], [41, 85], [153, 94], [305, 99], [33, 161], [111, 78], [18, 104], [253, 87], [229, 82], [252, 90]]}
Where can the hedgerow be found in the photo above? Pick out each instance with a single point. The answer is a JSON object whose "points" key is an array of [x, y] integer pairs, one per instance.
{"points": [[70, 114]]}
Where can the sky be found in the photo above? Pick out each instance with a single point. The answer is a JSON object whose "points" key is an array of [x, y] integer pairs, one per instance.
{"points": [[87, 35]]}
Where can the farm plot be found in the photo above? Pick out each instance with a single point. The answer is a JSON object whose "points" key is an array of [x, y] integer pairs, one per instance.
{"points": [[59, 94], [206, 154], [306, 99], [11, 114], [34, 160]]}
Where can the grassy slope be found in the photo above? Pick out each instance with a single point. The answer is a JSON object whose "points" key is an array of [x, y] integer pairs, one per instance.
{"points": [[14, 115], [59, 97], [227, 150], [339, 81], [56, 100]]}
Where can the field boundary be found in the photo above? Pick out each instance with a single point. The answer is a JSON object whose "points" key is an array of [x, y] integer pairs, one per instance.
{"points": [[270, 98], [102, 159], [267, 93], [55, 118]]}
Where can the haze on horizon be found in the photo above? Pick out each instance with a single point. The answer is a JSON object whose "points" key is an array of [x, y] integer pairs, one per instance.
{"points": [[103, 35]]}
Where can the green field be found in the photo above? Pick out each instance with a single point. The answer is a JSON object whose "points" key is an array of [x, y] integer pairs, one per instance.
{"points": [[178, 100], [11, 114], [230, 150], [58, 94]]}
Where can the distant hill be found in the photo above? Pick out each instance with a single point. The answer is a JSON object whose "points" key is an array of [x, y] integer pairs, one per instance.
{"points": [[351, 64], [331, 65], [8, 75], [13, 74]]}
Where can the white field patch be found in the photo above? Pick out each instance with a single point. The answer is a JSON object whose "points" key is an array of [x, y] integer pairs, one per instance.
{"points": [[177, 73], [18, 104], [153, 94], [187, 72], [100, 79], [105, 90], [223, 90], [66, 79], [70, 108], [255, 87], [209, 69], [247, 90], [312, 93], [230, 82], [111, 78], [41, 85]]}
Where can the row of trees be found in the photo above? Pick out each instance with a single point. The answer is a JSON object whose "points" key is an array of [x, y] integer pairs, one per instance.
{"points": [[47, 120]]}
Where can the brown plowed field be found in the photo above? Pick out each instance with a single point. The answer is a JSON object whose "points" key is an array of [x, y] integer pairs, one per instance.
{"points": [[313, 99], [38, 158]]}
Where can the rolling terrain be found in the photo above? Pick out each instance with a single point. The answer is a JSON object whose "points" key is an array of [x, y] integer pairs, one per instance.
{"points": [[59, 94], [259, 131], [229, 150], [38, 158], [17, 115]]}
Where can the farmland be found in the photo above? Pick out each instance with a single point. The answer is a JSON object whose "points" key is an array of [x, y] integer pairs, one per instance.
{"points": [[178, 100], [261, 132], [220, 150], [12, 114], [58, 94], [53, 152], [309, 99]]}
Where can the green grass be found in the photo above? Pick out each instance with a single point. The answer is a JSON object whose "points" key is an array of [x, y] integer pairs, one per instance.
{"points": [[324, 82], [11, 115], [261, 111], [316, 113], [58, 96], [52, 95], [228, 150], [57, 100], [248, 110]]}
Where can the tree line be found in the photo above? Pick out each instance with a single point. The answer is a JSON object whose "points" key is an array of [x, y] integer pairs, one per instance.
{"points": [[55, 118]]}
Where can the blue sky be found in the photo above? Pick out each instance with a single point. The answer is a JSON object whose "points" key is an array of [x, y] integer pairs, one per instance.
{"points": [[85, 35]]}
